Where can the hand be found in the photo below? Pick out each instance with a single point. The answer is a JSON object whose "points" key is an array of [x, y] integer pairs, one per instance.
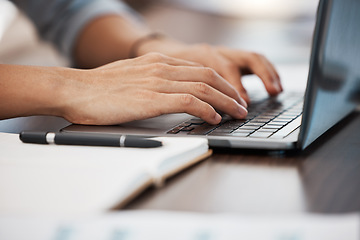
{"points": [[229, 63], [148, 86]]}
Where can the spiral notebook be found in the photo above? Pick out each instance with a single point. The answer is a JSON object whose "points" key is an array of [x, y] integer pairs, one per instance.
{"points": [[79, 179]]}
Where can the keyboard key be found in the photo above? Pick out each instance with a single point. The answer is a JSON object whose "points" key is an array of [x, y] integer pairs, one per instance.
{"points": [[248, 127], [259, 120], [266, 114], [274, 127], [264, 117], [253, 124], [261, 134], [287, 114], [195, 121], [179, 128], [231, 125], [187, 129], [266, 130], [227, 126], [185, 124], [284, 119], [279, 122], [175, 130], [239, 134], [202, 129], [243, 131], [222, 131]]}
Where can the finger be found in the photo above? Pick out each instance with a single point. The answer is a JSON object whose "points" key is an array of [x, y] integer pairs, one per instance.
{"points": [[201, 74], [207, 94], [275, 73], [186, 103], [258, 66], [231, 73], [161, 58]]}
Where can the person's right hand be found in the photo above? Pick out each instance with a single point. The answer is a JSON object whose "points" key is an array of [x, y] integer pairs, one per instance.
{"points": [[145, 87]]}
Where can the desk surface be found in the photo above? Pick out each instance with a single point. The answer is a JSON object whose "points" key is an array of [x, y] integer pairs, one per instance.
{"points": [[324, 178]]}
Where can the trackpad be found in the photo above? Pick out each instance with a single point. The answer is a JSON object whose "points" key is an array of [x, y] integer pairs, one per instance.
{"points": [[153, 126]]}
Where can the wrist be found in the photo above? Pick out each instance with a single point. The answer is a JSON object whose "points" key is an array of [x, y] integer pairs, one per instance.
{"points": [[72, 85], [52, 97], [158, 43]]}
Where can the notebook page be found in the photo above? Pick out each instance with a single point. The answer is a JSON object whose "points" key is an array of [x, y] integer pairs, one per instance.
{"points": [[62, 179]]}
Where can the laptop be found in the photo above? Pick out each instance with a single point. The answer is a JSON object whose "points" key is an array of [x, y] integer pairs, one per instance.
{"points": [[290, 120]]}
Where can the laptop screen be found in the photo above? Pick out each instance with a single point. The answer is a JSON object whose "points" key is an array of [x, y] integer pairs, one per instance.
{"points": [[334, 77]]}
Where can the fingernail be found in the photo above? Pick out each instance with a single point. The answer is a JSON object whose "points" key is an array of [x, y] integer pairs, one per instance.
{"points": [[243, 102], [277, 87], [244, 99], [243, 112], [217, 118], [281, 87]]}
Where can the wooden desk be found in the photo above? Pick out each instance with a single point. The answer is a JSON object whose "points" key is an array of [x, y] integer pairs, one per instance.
{"points": [[324, 178]]}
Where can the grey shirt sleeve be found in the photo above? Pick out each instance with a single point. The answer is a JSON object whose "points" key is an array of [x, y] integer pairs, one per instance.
{"points": [[60, 21]]}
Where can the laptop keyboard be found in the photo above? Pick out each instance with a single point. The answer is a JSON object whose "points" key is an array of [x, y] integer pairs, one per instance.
{"points": [[268, 117]]}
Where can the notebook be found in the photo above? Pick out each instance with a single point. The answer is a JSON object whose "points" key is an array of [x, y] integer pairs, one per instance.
{"points": [[78, 179], [292, 120]]}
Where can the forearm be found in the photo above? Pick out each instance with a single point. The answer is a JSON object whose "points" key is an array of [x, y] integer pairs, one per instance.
{"points": [[29, 90], [106, 39]]}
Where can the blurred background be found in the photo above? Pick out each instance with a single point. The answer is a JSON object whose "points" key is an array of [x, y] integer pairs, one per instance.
{"points": [[279, 29]]}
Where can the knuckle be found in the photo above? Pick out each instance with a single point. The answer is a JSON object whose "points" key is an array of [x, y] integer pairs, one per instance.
{"points": [[156, 81], [158, 69], [253, 59], [231, 66], [151, 98], [155, 57], [187, 100], [202, 88], [210, 73], [256, 56], [143, 94]]}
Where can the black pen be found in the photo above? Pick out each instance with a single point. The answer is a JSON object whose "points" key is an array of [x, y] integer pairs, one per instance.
{"points": [[88, 139]]}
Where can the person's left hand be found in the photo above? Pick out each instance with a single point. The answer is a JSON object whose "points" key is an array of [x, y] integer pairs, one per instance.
{"points": [[231, 64]]}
